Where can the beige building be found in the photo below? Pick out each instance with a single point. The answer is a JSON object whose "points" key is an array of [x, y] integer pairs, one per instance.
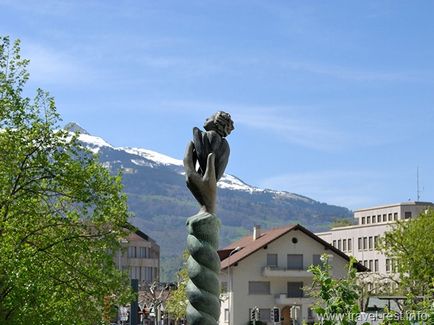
{"points": [[269, 270], [361, 240], [140, 257]]}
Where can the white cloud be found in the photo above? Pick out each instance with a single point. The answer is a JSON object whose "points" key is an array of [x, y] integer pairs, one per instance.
{"points": [[48, 66], [292, 124], [300, 131]]}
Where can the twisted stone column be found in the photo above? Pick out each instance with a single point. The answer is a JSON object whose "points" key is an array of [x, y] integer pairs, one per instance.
{"points": [[203, 288], [205, 161]]}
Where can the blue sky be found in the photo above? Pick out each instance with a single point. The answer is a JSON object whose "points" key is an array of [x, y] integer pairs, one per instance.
{"points": [[331, 99]]}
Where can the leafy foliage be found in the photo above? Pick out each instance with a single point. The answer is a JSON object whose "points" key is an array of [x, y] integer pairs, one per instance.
{"points": [[176, 305], [411, 243], [335, 297], [61, 212]]}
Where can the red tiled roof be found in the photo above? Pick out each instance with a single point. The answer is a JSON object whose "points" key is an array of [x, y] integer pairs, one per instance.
{"points": [[249, 246]]}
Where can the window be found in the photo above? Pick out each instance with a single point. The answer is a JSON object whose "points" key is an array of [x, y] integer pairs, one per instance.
{"points": [[365, 263], [374, 219], [344, 245], [371, 265], [384, 217], [407, 214], [375, 265], [365, 246], [350, 246], [259, 287], [132, 252], [295, 262], [360, 243], [379, 218], [376, 239], [368, 219], [295, 290], [339, 244], [363, 220], [390, 217], [144, 252], [370, 244], [387, 265], [316, 259], [334, 243], [135, 272], [395, 216], [272, 260], [149, 273], [226, 315]]}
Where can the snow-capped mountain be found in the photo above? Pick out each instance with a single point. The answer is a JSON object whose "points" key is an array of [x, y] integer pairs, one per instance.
{"points": [[160, 201], [144, 157]]}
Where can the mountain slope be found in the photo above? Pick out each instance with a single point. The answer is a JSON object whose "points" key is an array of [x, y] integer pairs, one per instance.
{"points": [[161, 203]]}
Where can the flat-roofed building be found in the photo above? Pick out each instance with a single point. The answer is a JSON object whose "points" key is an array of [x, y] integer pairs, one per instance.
{"points": [[361, 240]]}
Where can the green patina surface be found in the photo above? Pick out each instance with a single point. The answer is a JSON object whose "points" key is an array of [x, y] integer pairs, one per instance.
{"points": [[203, 289]]}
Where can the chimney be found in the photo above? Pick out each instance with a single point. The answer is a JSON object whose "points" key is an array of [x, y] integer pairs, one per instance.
{"points": [[256, 232]]}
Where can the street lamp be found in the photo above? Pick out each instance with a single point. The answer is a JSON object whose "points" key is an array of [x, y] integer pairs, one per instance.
{"points": [[236, 249]]}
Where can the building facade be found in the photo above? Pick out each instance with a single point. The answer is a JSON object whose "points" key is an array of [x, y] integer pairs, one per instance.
{"points": [[139, 257], [361, 240], [269, 270]]}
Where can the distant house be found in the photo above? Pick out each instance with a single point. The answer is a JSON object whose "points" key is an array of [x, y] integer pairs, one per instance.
{"points": [[140, 257], [269, 270]]}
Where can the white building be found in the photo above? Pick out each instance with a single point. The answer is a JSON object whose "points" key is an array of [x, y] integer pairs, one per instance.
{"points": [[269, 270], [361, 240]]}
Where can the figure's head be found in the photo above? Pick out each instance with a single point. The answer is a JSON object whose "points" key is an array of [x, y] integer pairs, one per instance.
{"points": [[220, 122]]}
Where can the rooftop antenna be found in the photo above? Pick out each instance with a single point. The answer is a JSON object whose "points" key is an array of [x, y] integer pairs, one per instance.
{"points": [[417, 184]]}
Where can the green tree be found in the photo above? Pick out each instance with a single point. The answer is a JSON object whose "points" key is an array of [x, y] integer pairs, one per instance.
{"points": [[61, 213], [334, 297], [176, 305], [411, 244]]}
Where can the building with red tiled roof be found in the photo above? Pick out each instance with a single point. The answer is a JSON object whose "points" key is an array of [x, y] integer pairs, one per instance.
{"points": [[268, 270]]}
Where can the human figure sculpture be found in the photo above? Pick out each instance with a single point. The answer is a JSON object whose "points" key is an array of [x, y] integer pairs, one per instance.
{"points": [[205, 161]]}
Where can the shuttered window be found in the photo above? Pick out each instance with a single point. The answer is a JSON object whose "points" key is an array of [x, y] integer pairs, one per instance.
{"points": [[295, 262], [272, 260], [295, 290], [316, 259], [259, 287]]}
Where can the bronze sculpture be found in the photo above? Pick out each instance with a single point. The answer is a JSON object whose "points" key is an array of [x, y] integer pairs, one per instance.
{"points": [[205, 161]]}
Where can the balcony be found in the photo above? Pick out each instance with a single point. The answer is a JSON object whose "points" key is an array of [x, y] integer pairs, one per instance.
{"points": [[283, 299], [280, 272]]}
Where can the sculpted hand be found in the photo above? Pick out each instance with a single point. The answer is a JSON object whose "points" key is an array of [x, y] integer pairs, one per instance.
{"points": [[203, 188]]}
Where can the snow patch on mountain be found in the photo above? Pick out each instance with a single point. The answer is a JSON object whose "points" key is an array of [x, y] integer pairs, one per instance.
{"points": [[153, 156], [233, 183], [93, 143]]}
